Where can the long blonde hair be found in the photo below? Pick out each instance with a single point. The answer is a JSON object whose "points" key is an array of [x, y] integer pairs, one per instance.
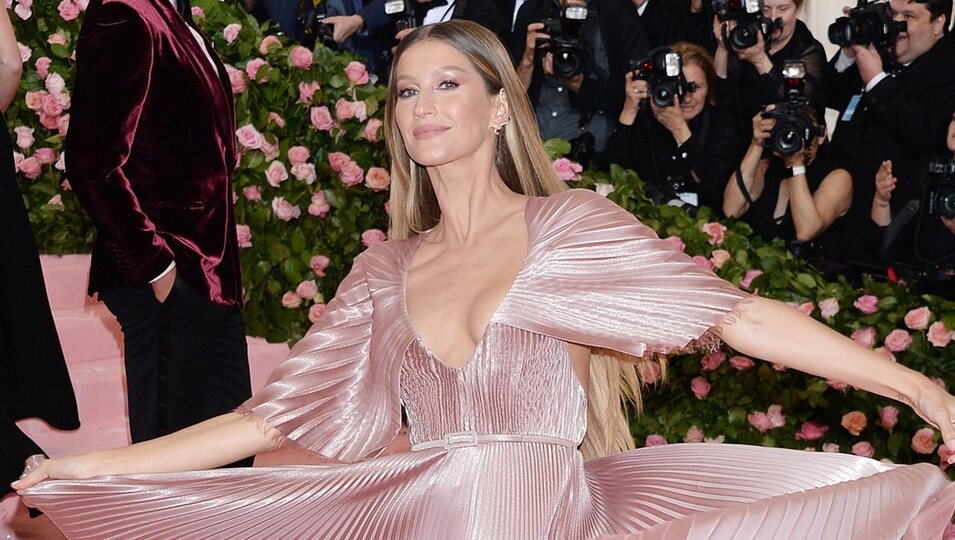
{"points": [[525, 168]]}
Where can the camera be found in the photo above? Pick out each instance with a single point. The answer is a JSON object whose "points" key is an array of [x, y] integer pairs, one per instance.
{"points": [[311, 26], [663, 71], [402, 11], [794, 127], [571, 57], [941, 189], [750, 22], [867, 23]]}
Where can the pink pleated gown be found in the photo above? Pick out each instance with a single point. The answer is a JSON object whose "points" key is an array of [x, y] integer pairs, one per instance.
{"points": [[495, 442]]}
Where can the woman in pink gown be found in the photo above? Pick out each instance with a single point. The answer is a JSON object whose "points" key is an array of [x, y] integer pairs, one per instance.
{"points": [[479, 318]]}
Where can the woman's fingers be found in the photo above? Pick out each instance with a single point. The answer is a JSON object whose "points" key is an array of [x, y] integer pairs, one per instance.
{"points": [[34, 471]]}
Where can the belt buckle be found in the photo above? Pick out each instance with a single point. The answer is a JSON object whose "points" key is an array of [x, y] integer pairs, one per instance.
{"points": [[460, 439]]}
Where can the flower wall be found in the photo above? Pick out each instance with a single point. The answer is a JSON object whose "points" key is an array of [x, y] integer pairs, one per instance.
{"points": [[311, 191]]}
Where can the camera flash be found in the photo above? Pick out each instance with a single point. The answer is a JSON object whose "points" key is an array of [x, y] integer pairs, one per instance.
{"points": [[671, 63], [754, 6], [576, 13], [794, 70], [394, 6]]}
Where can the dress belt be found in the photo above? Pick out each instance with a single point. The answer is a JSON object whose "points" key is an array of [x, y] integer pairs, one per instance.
{"points": [[463, 439]]}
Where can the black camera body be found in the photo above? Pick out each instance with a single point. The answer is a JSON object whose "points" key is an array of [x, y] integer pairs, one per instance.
{"points": [[312, 28], [402, 12], [750, 22], [794, 128], [868, 22], [571, 56], [941, 189], [663, 71]]}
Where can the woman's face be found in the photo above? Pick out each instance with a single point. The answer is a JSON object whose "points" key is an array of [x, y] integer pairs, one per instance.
{"points": [[951, 135], [693, 102], [785, 10], [442, 108]]}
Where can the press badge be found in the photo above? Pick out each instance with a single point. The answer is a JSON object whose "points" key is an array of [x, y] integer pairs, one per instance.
{"points": [[851, 108]]}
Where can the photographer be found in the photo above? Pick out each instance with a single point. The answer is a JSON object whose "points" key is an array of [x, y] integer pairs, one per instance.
{"points": [[588, 100], [685, 150], [918, 237], [753, 75], [796, 197], [900, 116]]}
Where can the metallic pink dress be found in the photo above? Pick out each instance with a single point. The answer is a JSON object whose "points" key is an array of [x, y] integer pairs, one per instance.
{"points": [[494, 443]]}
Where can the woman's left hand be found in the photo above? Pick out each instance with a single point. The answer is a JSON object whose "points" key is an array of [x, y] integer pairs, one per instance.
{"points": [[670, 117], [756, 55], [937, 407]]}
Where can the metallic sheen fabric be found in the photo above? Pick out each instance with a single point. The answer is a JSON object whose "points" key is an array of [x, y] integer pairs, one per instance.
{"points": [[496, 439]]}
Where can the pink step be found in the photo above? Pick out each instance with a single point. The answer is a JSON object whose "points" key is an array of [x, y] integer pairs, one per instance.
{"points": [[88, 333], [66, 279]]}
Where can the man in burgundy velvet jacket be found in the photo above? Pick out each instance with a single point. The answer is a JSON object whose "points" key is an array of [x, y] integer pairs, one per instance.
{"points": [[150, 154]]}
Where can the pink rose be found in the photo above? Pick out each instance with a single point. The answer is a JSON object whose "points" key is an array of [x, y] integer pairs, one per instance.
{"points": [[45, 155], [888, 417], [23, 9], [828, 308], [864, 337], [867, 304], [693, 435], [305, 172], [51, 106], [56, 200], [370, 132], [258, 70], [34, 100], [776, 416], [377, 179], [854, 422], [319, 206], [923, 441], [676, 242], [603, 189], [271, 150], [244, 235], [298, 154], [884, 353], [719, 257], [747, 280], [58, 38], [42, 66], [267, 42], [31, 168], [252, 193], [356, 72], [811, 431], [315, 312], [290, 300], [361, 110], [700, 387], [832, 448], [654, 440], [231, 32], [285, 210], [237, 79], [352, 174], [649, 371], [276, 174], [836, 385], [55, 84], [917, 319], [68, 10], [60, 165], [344, 110], [741, 363], [319, 263], [898, 341], [24, 136], [249, 137], [321, 118], [373, 236], [944, 457], [712, 361], [716, 232], [938, 335], [760, 421], [306, 91], [275, 118], [806, 308], [307, 289], [567, 170], [25, 52], [300, 57], [703, 262], [863, 449], [197, 12], [49, 122]]}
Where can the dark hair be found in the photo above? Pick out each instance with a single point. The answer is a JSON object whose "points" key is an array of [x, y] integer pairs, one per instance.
{"points": [[694, 55], [936, 9]]}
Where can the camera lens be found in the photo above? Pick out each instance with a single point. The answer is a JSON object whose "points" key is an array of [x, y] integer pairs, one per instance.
{"points": [[945, 203], [743, 36], [566, 64], [663, 94], [787, 141], [841, 32]]}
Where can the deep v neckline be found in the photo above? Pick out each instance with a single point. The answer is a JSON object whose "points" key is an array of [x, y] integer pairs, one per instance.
{"points": [[478, 345]]}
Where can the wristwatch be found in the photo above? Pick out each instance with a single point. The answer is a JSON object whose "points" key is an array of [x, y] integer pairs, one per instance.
{"points": [[797, 170]]}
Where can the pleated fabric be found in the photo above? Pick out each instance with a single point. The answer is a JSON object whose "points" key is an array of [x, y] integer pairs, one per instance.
{"points": [[593, 275]]}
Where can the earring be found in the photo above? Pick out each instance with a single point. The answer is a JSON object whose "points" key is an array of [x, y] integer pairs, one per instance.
{"points": [[497, 130]]}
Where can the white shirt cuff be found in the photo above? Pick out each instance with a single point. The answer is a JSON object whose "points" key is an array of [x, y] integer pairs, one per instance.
{"points": [[875, 80], [843, 62], [164, 272]]}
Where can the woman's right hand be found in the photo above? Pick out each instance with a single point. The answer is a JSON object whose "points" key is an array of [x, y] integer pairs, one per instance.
{"points": [[762, 128], [637, 90], [718, 31], [39, 467], [884, 182]]}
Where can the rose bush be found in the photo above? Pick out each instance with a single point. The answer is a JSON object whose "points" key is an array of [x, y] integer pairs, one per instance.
{"points": [[311, 188]]}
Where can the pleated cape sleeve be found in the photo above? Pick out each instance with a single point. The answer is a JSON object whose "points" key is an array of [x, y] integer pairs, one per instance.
{"points": [[332, 395], [596, 276]]}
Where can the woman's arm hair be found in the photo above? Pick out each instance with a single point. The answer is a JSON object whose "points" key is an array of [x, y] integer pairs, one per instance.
{"points": [[813, 213], [11, 65]]}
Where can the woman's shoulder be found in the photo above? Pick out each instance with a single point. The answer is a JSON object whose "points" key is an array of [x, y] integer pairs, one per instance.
{"points": [[576, 212]]}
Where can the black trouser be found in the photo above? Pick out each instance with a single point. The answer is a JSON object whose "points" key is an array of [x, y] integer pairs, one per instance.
{"points": [[15, 446], [186, 358]]}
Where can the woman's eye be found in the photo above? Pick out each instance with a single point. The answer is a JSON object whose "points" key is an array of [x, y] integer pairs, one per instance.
{"points": [[406, 92], [448, 85]]}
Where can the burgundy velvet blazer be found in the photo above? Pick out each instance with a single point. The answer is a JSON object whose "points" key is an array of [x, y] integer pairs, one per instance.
{"points": [[151, 149]]}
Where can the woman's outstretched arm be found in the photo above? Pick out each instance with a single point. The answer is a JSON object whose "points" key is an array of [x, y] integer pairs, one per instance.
{"points": [[206, 445], [774, 331]]}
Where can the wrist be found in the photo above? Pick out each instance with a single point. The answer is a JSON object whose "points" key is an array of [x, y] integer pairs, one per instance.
{"points": [[797, 170]]}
